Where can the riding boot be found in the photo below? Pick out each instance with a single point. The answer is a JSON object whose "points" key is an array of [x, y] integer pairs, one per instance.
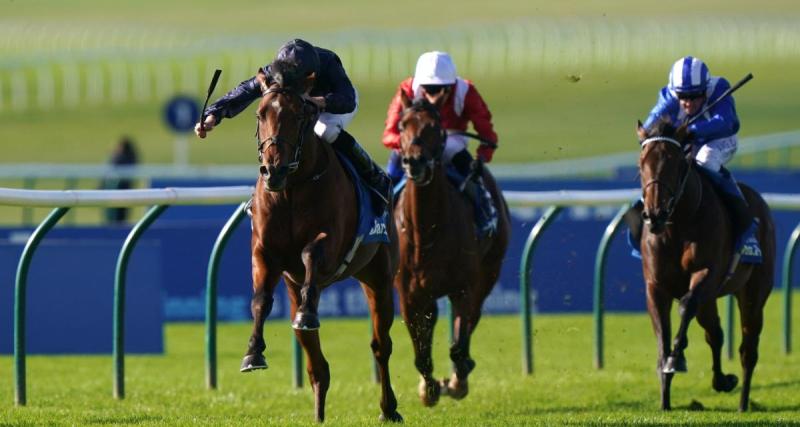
{"points": [[742, 220], [475, 190], [370, 172], [633, 217]]}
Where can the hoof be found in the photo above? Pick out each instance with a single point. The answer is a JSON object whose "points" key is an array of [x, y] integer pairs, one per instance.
{"points": [[394, 417], [675, 364], [455, 388], [429, 392], [253, 362], [725, 383], [305, 322]]}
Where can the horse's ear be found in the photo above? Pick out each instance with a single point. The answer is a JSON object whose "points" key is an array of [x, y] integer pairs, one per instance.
{"points": [[640, 131], [404, 99], [261, 78], [309, 81]]}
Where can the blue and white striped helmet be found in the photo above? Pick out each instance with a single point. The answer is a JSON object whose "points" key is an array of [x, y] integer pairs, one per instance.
{"points": [[688, 76]]}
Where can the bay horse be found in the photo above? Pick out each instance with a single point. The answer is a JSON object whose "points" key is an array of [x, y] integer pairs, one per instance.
{"points": [[440, 251], [687, 246], [304, 220]]}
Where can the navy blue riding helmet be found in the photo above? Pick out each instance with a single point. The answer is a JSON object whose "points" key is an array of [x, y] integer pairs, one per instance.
{"points": [[302, 53]]}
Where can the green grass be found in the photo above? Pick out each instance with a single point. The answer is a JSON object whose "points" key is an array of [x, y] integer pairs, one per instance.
{"points": [[565, 388]]}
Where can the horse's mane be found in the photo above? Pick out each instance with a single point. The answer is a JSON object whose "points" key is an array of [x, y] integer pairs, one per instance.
{"points": [[287, 74]]}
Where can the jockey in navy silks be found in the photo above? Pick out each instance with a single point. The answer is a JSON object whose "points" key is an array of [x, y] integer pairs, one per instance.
{"points": [[712, 136], [333, 93]]}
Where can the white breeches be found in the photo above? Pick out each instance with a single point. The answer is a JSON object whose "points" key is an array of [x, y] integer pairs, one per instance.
{"points": [[714, 154], [329, 125], [453, 145]]}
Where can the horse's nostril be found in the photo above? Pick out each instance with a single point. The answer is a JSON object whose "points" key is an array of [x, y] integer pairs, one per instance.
{"points": [[263, 170], [406, 160]]}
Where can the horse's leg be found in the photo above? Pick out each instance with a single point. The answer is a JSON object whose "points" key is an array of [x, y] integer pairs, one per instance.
{"points": [[457, 386], [751, 307], [319, 374], [264, 280], [306, 317], [659, 305], [420, 317], [381, 305], [708, 318], [687, 309]]}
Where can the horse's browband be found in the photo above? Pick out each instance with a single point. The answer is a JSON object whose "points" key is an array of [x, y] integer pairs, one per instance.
{"points": [[662, 138]]}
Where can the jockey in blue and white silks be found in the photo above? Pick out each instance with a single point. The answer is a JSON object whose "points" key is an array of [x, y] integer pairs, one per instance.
{"points": [[713, 136]]}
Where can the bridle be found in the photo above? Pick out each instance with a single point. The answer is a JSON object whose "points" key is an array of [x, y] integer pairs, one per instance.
{"points": [[305, 122], [436, 158], [674, 196]]}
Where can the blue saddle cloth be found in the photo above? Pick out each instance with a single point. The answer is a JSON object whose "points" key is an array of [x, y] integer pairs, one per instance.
{"points": [[750, 250], [456, 179], [371, 227]]}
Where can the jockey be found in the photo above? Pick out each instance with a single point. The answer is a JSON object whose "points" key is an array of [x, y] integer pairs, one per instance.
{"points": [[333, 93], [713, 136], [459, 103]]}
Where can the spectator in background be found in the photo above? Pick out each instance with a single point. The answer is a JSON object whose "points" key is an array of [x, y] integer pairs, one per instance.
{"points": [[124, 155]]}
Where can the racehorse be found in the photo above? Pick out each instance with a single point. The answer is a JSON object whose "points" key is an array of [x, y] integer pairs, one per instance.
{"points": [[304, 220], [440, 251], [687, 246]]}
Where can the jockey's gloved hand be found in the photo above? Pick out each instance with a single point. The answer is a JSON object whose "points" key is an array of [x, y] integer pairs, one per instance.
{"points": [[485, 153], [208, 125]]}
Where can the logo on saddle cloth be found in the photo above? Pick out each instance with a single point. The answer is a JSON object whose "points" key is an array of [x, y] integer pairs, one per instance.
{"points": [[371, 227]]}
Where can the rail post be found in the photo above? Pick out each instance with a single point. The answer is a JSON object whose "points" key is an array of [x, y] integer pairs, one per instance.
{"points": [[118, 351], [598, 306], [525, 285], [212, 277], [20, 291]]}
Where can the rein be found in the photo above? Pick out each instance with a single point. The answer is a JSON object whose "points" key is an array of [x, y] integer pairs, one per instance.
{"points": [[675, 197], [274, 140]]}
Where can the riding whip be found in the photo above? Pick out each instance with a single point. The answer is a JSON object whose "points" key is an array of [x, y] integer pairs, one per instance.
{"points": [[730, 90], [205, 104]]}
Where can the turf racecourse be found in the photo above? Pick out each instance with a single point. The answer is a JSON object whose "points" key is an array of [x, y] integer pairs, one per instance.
{"points": [[565, 389]]}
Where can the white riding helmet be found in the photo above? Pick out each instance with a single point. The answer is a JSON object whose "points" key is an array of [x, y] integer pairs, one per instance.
{"points": [[435, 68]]}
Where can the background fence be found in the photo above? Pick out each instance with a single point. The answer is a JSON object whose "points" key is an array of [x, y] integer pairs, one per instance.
{"points": [[44, 66]]}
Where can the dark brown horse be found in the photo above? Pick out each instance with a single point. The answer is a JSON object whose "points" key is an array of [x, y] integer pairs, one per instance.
{"points": [[440, 252], [304, 225], [687, 246]]}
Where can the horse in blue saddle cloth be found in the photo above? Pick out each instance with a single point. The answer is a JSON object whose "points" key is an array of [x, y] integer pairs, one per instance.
{"points": [[313, 227], [441, 251], [687, 245]]}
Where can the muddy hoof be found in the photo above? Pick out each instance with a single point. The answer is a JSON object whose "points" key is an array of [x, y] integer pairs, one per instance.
{"points": [[725, 383], [305, 322], [394, 417], [675, 364], [252, 362], [429, 392]]}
